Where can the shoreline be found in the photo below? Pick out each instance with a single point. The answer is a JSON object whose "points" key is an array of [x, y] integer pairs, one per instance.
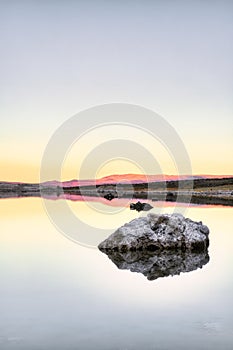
{"points": [[198, 191]]}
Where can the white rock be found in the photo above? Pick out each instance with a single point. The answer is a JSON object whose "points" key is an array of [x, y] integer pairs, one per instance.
{"points": [[158, 232]]}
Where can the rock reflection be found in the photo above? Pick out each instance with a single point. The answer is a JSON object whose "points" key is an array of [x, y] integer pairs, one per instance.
{"points": [[154, 265]]}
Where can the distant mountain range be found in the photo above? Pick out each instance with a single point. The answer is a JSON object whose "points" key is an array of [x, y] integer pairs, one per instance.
{"points": [[131, 178], [198, 189]]}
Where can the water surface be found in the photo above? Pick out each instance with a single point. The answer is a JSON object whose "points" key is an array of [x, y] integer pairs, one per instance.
{"points": [[57, 294]]}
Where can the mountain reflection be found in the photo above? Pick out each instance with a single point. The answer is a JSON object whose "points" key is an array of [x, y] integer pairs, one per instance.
{"points": [[158, 264]]}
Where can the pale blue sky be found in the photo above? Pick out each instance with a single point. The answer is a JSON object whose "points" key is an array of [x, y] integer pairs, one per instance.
{"points": [[175, 57]]}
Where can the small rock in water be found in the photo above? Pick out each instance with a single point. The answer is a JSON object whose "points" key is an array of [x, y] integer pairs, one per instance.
{"points": [[109, 196], [158, 232], [140, 206]]}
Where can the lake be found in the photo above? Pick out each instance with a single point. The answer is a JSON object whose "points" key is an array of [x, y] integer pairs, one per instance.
{"points": [[58, 294]]}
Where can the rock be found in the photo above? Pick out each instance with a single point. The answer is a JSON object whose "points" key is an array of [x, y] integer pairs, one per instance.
{"points": [[109, 196], [158, 264], [158, 232], [108, 192], [140, 206]]}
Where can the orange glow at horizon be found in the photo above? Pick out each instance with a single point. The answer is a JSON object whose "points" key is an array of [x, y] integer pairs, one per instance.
{"points": [[21, 161], [31, 174]]}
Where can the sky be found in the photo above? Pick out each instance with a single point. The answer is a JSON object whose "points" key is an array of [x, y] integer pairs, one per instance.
{"points": [[61, 57]]}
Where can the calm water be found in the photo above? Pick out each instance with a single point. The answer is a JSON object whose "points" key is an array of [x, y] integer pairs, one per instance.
{"points": [[57, 294]]}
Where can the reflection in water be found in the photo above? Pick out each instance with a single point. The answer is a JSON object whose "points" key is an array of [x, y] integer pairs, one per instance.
{"points": [[158, 264], [199, 191], [60, 295]]}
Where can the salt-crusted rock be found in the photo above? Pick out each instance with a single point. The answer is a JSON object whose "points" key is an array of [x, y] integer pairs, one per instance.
{"points": [[158, 264], [159, 232]]}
